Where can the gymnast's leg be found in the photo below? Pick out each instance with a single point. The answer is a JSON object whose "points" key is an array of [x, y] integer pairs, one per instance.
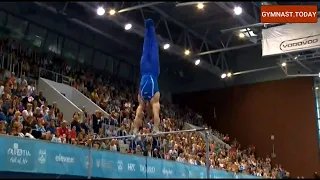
{"points": [[139, 116], [151, 48], [155, 105], [149, 63]]}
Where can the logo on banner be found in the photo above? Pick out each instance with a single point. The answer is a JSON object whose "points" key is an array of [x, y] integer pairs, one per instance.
{"points": [[148, 169], [18, 155], [65, 159], [105, 164], [120, 165], [201, 175], [98, 163], [300, 43], [236, 176], [166, 172], [42, 156], [86, 163]]}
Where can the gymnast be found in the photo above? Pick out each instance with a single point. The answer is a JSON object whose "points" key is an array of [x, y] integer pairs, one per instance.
{"points": [[149, 94]]}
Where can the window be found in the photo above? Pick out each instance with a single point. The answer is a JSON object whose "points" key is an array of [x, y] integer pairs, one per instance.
{"points": [[317, 99], [99, 60], [36, 35], [109, 66], [70, 49], [85, 55], [2, 18], [247, 32], [53, 43], [16, 26], [125, 70], [3, 32]]}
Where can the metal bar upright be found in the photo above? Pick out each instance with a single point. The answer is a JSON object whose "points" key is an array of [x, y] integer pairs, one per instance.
{"points": [[89, 160], [207, 154]]}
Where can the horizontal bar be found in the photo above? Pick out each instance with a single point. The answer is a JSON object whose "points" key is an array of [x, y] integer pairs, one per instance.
{"points": [[303, 75], [139, 6], [255, 70], [247, 26], [242, 27], [228, 49], [151, 134], [189, 3]]}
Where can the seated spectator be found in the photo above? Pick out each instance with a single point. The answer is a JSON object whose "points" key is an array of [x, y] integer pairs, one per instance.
{"points": [[181, 158], [56, 137], [94, 96], [73, 133], [97, 121], [138, 150], [31, 89], [40, 126], [156, 153], [113, 145], [27, 112], [100, 134], [47, 136], [122, 131], [84, 125], [59, 119], [37, 114], [44, 108], [63, 130], [111, 132], [29, 123], [50, 116], [22, 81], [28, 134], [76, 122], [16, 118], [55, 108], [14, 106], [3, 117], [82, 137], [3, 129], [42, 99], [51, 127], [113, 119], [148, 152], [1, 87], [7, 104]]}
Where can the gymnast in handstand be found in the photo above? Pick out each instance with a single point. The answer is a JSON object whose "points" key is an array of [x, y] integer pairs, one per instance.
{"points": [[149, 94]]}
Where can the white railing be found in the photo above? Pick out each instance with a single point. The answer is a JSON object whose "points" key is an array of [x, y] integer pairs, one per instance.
{"points": [[56, 77], [211, 136]]}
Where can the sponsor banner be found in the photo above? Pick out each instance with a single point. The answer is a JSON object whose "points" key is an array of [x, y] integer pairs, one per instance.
{"points": [[289, 14], [290, 38], [36, 156]]}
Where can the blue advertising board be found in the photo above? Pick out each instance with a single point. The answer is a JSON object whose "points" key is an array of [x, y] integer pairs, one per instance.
{"points": [[37, 156]]}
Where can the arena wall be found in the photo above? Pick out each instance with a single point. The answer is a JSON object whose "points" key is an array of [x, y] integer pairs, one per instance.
{"points": [[252, 113]]}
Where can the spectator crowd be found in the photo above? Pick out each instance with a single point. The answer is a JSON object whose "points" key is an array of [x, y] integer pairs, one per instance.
{"points": [[25, 113]]}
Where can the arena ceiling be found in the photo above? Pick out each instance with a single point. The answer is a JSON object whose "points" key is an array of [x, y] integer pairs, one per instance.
{"points": [[211, 34], [182, 25]]}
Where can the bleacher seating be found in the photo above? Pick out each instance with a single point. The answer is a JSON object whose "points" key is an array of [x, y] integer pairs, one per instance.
{"points": [[26, 113]]}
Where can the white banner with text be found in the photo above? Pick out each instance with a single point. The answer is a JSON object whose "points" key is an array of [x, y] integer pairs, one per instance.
{"points": [[290, 38]]}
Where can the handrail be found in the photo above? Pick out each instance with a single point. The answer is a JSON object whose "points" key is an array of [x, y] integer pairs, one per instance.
{"points": [[56, 79], [211, 136]]}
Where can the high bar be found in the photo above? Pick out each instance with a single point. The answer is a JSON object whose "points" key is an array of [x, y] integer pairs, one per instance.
{"points": [[151, 134]]}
